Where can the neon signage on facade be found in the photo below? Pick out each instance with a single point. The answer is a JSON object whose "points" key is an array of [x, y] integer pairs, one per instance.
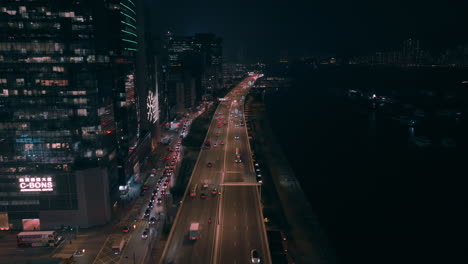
{"points": [[36, 184]]}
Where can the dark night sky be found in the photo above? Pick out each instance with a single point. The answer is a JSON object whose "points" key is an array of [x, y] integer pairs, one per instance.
{"points": [[265, 28]]}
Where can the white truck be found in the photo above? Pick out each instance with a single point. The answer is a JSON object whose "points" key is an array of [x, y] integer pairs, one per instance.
{"points": [[238, 156], [118, 246], [194, 231]]}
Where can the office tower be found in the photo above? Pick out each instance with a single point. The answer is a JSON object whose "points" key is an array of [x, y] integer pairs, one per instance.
{"points": [[411, 52], [69, 119], [209, 46]]}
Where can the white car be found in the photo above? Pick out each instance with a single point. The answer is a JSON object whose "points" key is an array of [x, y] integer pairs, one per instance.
{"points": [[79, 252], [255, 257]]}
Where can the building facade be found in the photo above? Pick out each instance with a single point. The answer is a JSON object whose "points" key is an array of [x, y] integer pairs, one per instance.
{"points": [[68, 110]]}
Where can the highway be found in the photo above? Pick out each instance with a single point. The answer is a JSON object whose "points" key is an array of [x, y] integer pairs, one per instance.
{"points": [[137, 247], [237, 222]]}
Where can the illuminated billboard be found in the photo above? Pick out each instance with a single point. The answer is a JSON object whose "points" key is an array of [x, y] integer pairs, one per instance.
{"points": [[153, 106], [35, 184]]}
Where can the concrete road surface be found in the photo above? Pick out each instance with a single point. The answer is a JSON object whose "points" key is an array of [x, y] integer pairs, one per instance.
{"points": [[237, 222]]}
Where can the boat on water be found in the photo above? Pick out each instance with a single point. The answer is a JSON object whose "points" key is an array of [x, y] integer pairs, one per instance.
{"points": [[354, 93], [422, 142], [405, 120], [448, 143]]}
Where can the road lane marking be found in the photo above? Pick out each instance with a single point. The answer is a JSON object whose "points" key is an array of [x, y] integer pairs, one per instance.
{"points": [[171, 233]]}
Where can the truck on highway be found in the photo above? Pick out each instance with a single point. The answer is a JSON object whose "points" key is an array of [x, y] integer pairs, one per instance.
{"points": [[118, 246], [193, 231], [238, 156]]}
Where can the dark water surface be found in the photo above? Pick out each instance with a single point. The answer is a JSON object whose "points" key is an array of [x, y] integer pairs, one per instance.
{"points": [[379, 198]]}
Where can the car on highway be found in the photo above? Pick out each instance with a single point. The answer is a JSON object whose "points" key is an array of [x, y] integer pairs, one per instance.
{"points": [[221, 143], [152, 220], [215, 145], [159, 201], [150, 205], [214, 191], [236, 137], [203, 196], [152, 199], [255, 256], [79, 252], [125, 229], [205, 186], [209, 164], [144, 235], [147, 213]]}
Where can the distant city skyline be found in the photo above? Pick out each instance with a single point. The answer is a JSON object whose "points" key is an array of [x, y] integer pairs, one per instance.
{"points": [[263, 29]]}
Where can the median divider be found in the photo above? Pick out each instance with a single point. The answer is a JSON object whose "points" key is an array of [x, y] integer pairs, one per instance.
{"points": [[171, 233], [267, 253]]}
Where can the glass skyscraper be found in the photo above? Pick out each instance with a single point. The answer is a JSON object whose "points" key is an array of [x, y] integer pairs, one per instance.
{"points": [[68, 110]]}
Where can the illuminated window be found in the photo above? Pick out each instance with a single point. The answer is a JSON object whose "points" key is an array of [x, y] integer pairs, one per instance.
{"points": [[80, 100], [82, 112], [52, 82], [76, 59], [24, 202], [58, 69], [28, 147], [4, 92], [67, 14], [78, 19], [20, 81], [99, 153], [3, 81]]}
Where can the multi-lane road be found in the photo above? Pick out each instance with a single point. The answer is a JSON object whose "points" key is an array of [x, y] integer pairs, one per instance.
{"points": [[236, 226]]}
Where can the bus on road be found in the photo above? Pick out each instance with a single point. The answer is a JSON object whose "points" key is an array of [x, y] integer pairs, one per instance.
{"points": [[37, 239], [118, 246]]}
